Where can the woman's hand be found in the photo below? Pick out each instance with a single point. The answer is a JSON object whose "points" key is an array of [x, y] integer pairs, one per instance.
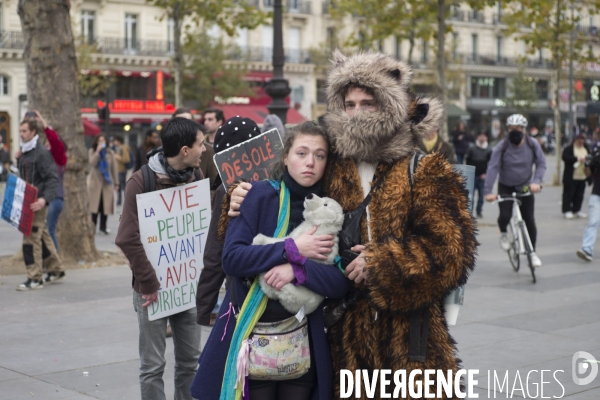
{"points": [[356, 269], [280, 276], [314, 246], [237, 197]]}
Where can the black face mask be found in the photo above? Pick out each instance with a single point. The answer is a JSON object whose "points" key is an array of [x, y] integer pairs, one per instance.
{"points": [[515, 137]]}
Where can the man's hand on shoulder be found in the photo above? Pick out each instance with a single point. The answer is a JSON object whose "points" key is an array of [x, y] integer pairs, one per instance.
{"points": [[150, 298], [237, 197]]}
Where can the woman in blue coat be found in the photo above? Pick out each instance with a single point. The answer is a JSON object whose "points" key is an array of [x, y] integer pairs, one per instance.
{"points": [[301, 169]]}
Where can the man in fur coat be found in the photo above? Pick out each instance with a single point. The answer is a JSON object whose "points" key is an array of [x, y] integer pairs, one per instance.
{"points": [[419, 239]]}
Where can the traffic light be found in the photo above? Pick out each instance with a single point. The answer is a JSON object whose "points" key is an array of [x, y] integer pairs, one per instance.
{"points": [[103, 113]]}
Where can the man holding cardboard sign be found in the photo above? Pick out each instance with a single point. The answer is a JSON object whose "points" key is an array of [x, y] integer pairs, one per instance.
{"points": [[162, 233]]}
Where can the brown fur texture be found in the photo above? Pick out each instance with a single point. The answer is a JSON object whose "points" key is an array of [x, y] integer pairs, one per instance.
{"points": [[423, 236], [224, 219], [423, 246], [395, 134]]}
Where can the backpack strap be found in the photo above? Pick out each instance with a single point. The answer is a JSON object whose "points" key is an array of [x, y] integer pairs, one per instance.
{"points": [[412, 166], [419, 319], [149, 179], [529, 142]]}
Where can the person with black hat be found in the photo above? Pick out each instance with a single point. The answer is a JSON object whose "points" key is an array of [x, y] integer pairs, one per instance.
{"points": [[234, 131]]}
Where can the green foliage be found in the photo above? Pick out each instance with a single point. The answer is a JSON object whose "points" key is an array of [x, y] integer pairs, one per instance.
{"points": [[380, 19], [523, 94], [227, 14], [91, 81], [207, 73]]}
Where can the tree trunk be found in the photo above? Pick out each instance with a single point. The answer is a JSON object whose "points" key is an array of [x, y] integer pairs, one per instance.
{"points": [[441, 65], [52, 89], [178, 54], [556, 178]]}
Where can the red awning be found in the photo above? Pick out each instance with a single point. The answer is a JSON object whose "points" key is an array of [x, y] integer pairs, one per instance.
{"points": [[89, 128], [257, 113]]}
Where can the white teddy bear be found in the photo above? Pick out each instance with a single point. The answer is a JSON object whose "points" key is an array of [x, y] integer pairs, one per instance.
{"points": [[328, 216]]}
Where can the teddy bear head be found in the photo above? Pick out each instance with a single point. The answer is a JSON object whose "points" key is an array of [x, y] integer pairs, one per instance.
{"points": [[323, 210]]}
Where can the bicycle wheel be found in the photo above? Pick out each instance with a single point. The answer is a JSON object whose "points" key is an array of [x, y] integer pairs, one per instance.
{"points": [[513, 251], [523, 229]]}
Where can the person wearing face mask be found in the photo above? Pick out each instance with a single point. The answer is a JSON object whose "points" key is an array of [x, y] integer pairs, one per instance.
{"points": [[479, 156], [512, 161]]}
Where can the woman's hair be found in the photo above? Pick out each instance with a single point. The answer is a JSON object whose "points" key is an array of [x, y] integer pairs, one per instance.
{"points": [[96, 139], [306, 128]]}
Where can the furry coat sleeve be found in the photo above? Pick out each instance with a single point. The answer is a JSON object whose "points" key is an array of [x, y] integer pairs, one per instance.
{"points": [[430, 248]]}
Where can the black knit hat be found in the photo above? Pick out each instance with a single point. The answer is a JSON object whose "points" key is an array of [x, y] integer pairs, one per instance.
{"points": [[234, 131]]}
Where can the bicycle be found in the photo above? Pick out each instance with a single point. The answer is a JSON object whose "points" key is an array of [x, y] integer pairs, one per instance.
{"points": [[520, 243]]}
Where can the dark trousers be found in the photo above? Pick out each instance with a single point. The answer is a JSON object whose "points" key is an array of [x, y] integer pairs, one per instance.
{"points": [[572, 198], [479, 189], [527, 211], [460, 158], [122, 182], [103, 216]]}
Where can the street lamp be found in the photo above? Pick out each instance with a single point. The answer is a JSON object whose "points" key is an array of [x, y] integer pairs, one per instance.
{"points": [[278, 88]]}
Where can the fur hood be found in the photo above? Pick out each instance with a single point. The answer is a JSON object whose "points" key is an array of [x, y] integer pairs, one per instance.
{"points": [[401, 121]]}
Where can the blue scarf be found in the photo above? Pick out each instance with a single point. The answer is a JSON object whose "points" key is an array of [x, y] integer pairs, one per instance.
{"points": [[251, 311], [103, 166]]}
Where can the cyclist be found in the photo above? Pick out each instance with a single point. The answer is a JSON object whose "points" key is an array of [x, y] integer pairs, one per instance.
{"points": [[512, 161]]}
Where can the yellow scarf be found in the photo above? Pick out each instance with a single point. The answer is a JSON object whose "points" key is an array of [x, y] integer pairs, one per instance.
{"points": [[429, 143]]}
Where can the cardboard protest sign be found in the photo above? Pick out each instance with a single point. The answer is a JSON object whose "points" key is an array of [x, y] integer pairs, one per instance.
{"points": [[173, 227], [251, 160], [18, 197]]}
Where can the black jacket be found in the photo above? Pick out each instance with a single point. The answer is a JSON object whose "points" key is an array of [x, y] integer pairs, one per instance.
{"points": [[461, 146], [479, 158], [569, 158], [37, 167], [212, 276]]}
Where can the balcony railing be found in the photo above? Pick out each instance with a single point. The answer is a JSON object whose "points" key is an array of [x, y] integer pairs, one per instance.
{"points": [[133, 47], [265, 54], [11, 40], [299, 7], [476, 16], [496, 60], [591, 31], [291, 6], [457, 15]]}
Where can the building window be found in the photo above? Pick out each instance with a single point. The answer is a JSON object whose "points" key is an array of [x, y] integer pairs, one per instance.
{"points": [[171, 36], [474, 47], [488, 87], [241, 38], [131, 88], [131, 33], [4, 81], [331, 39], [499, 44], [293, 47], [398, 48], [0, 16], [542, 88], [424, 51], [454, 45], [541, 55], [88, 19], [267, 43]]}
